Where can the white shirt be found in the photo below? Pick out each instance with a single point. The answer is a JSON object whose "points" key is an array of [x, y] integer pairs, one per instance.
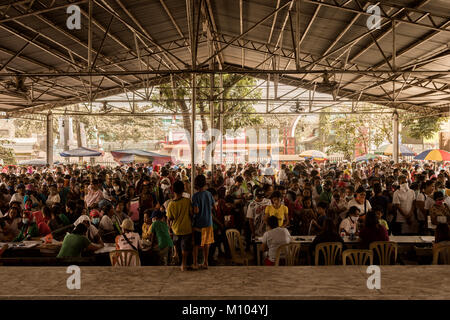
{"points": [[348, 224], [17, 197], [269, 171], [51, 200], [274, 238], [360, 206], [404, 197], [106, 223], [428, 203]]}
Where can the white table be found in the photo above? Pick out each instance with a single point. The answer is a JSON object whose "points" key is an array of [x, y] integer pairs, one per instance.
{"points": [[307, 240]]}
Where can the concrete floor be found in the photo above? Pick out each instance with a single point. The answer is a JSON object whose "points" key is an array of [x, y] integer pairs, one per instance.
{"points": [[303, 282]]}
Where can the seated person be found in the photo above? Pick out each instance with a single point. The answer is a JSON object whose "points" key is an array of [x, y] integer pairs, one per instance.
{"points": [[372, 231], [76, 242], [441, 235], [107, 228], [350, 224], [10, 225], [128, 240], [92, 232], [29, 228], [273, 239], [328, 234]]}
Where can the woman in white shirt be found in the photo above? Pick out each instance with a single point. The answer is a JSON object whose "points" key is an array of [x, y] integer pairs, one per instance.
{"points": [[350, 224], [53, 197]]}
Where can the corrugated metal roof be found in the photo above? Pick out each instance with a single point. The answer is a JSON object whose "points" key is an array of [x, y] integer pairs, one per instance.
{"points": [[422, 43]]}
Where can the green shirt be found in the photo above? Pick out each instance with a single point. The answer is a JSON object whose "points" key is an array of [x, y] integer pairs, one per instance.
{"points": [[30, 231], [161, 230], [73, 245], [64, 219]]}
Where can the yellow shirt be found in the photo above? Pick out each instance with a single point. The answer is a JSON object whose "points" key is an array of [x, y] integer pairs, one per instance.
{"points": [[179, 211], [146, 231], [280, 213]]}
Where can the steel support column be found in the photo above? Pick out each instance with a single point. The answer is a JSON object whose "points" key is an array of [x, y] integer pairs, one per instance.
{"points": [[395, 142], [49, 151]]}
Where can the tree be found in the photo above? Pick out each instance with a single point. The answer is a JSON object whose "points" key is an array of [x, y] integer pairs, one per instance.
{"points": [[366, 130], [424, 127], [174, 97], [7, 154]]}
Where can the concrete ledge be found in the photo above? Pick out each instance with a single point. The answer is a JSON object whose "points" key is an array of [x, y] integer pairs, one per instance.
{"points": [[224, 283]]}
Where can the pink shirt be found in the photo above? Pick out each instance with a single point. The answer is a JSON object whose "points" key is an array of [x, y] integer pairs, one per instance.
{"points": [[93, 197]]}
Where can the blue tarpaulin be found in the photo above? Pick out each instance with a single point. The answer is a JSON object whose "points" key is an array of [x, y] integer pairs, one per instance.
{"points": [[81, 152]]}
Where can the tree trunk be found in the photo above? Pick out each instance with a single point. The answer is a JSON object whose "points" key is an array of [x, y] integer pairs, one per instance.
{"points": [[201, 107]]}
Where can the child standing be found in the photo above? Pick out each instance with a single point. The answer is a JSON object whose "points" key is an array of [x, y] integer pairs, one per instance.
{"points": [[160, 232], [202, 203]]}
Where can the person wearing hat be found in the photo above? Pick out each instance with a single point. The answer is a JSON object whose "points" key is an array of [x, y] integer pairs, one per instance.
{"points": [[128, 240], [160, 235], [19, 195], [255, 213]]}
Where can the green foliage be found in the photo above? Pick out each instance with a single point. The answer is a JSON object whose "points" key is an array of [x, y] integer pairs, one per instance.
{"points": [[235, 86], [7, 154], [423, 127], [123, 129], [366, 130]]}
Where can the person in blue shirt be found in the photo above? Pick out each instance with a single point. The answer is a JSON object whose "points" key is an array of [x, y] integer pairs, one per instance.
{"points": [[202, 224]]}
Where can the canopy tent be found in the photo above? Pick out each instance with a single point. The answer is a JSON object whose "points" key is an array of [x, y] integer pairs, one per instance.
{"points": [[367, 157], [81, 152], [33, 162], [434, 155], [139, 156], [387, 150], [313, 154]]}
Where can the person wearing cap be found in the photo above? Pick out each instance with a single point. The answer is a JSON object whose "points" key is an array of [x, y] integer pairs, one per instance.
{"points": [[256, 212], [76, 242], [160, 236], [19, 195], [128, 240]]}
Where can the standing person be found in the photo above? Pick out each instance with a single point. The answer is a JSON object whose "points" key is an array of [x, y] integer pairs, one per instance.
{"points": [[202, 203], [256, 213], [160, 233], [179, 213], [277, 209], [403, 201]]}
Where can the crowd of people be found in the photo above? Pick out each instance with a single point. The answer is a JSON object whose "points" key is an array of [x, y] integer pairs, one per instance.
{"points": [[149, 208]]}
